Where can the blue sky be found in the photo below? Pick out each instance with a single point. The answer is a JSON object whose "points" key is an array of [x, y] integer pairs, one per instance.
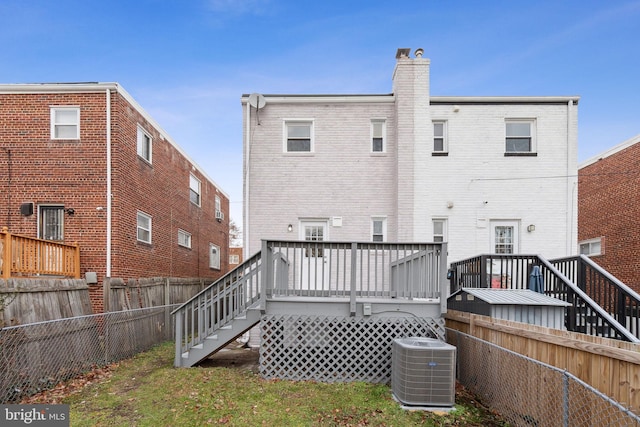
{"points": [[187, 62]]}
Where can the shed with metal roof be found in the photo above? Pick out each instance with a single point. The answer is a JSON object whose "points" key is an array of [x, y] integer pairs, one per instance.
{"points": [[520, 305]]}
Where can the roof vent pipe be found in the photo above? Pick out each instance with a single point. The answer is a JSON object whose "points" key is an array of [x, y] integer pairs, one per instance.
{"points": [[419, 51]]}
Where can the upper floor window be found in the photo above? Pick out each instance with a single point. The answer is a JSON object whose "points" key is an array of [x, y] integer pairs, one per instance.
{"points": [[234, 259], [65, 123], [298, 136], [440, 137], [520, 136], [591, 247], [51, 222], [144, 227], [214, 256], [378, 229], [439, 230], [194, 190], [184, 238], [218, 204], [378, 130], [144, 144]]}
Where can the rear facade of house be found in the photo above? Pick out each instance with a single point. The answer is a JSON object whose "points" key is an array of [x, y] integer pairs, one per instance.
{"points": [[85, 164], [485, 174]]}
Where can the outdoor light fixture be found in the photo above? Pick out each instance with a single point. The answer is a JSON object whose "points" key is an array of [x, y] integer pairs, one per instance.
{"points": [[531, 228], [290, 228], [70, 211]]}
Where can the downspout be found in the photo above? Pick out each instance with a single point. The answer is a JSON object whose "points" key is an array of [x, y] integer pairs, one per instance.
{"points": [[108, 118], [570, 185], [245, 231]]}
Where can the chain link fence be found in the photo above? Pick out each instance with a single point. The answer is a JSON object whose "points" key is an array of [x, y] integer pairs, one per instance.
{"points": [[37, 356], [529, 393]]}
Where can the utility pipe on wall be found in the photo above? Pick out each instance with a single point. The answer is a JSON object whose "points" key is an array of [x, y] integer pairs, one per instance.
{"points": [[108, 117]]}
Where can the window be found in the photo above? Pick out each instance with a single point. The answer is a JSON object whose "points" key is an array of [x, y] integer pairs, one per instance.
{"points": [[298, 137], [520, 136], [144, 227], [234, 259], [378, 130], [218, 204], [144, 144], [591, 247], [184, 238], [440, 137], [439, 230], [214, 256], [194, 190], [65, 123], [51, 223], [378, 229], [504, 239]]}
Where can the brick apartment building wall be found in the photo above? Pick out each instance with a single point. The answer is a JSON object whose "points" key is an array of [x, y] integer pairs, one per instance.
{"points": [[35, 168], [609, 208]]}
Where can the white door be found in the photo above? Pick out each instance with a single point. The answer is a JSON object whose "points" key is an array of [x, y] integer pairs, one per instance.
{"points": [[315, 275], [504, 241]]}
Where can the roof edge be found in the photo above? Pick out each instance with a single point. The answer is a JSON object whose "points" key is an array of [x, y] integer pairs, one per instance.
{"points": [[611, 151]]}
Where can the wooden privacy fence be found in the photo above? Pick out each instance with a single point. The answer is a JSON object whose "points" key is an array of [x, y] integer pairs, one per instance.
{"points": [[610, 366], [28, 256]]}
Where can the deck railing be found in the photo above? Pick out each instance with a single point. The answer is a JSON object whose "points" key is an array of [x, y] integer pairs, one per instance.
{"points": [[313, 269], [513, 272], [355, 270], [622, 302], [27, 256]]}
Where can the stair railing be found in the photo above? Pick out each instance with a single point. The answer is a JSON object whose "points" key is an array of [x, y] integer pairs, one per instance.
{"points": [[620, 301], [217, 305]]}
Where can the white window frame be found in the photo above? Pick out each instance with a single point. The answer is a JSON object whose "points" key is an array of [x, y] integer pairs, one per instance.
{"points": [[144, 138], [234, 259], [382, 135], [56, 122], [214, 257], [531, 137], [592, 247], [218, 203], [195, 190], [381, 233], [443, 236], [297, 123], [184, 238], [444, 136], [144, 228]]}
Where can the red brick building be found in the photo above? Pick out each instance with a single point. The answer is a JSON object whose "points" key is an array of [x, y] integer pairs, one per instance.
{"points": [[85, 163], [609, 210]]}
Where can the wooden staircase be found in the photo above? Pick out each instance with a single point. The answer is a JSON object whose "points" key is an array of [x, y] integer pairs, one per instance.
{"points": [[221, 337]]}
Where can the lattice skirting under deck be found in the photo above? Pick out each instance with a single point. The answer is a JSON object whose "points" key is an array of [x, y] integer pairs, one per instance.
{"points": [[336, 349]]}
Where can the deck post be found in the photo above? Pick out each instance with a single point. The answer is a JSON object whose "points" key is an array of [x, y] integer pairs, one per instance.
{"points": [[6, 253], [352, 293], [178, 328], [444, 283], [267, 275]]}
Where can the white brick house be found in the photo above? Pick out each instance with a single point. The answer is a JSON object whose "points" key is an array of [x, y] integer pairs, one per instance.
{"points": [[486, 174]]}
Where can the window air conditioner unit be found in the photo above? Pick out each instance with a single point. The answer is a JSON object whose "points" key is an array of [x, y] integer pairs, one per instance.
{"points": [[219, 216], [423, 372]]}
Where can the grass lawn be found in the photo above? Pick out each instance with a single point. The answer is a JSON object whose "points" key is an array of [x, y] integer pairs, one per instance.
{"points": [[148, 391]]}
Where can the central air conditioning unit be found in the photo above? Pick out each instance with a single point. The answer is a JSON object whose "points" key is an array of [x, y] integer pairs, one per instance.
{"points": [[423, 372]]}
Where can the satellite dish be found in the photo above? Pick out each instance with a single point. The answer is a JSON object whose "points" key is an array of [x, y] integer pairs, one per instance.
{"points": [[257, 101]]}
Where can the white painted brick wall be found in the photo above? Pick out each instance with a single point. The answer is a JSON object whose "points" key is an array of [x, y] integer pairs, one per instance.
{"points": [[407, 184]]}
